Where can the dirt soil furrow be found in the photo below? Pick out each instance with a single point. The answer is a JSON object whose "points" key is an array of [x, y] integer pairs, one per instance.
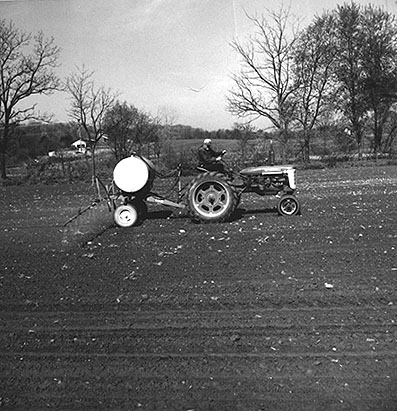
{"points": [[260, 313]]}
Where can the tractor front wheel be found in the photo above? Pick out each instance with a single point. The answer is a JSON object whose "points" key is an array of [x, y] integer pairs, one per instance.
{"points": [[211, 198], [288, 205]]}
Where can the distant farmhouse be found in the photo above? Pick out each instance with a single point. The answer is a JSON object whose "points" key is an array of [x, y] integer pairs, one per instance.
{"points": [[80, 146]]}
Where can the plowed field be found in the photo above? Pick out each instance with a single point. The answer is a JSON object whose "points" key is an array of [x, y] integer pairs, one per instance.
{"points": [[260, 313]]}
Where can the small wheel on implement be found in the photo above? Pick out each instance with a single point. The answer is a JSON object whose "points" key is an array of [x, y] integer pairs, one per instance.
{"points": [[126, 215], [288, 205]]}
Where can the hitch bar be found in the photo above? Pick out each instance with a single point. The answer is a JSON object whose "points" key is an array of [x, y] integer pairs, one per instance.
{"points": [[164, 201]]}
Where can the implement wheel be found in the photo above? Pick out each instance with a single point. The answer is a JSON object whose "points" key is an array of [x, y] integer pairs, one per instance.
{"points": [[211, 198], [126, 215], [130, 214]]}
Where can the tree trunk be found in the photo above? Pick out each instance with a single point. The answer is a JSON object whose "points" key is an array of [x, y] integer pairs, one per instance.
{"points": [[306, 148], [94, 177], [271, 154], [93, 164], [3, 170], [3, 149], [360, 147], [377, 140]]}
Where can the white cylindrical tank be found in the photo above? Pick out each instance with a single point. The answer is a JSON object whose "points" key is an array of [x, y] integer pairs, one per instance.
{"points": [[133, 174]]}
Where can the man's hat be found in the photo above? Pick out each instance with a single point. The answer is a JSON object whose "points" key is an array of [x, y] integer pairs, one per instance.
{"points": [[207, 141]]}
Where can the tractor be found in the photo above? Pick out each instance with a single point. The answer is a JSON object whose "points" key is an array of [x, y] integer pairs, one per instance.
{"points": [[209, 197]]}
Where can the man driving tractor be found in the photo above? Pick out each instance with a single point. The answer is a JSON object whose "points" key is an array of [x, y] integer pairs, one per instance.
{"points": [[209, 158]]}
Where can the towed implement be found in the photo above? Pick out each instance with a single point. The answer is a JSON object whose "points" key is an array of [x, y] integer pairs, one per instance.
{"points": [[209, 197]]}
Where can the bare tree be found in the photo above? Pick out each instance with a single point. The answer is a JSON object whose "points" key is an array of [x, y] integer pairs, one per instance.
{"points": [[118, 125], [243, 133], [379, 66], [349, 70], [166, 118], [315, 55], [167, 115], [129, 129], [265, 85], [27, 66], [146, 133], [89, 105]]}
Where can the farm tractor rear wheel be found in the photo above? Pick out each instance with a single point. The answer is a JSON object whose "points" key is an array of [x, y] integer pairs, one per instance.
{"points": [[288, 205], [211, 198]]}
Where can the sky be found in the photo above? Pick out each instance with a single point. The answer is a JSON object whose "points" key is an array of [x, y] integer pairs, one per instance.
{"points": [[156, 54]]}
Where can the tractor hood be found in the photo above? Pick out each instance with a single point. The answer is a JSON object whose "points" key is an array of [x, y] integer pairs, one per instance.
{"points": [[264, 170]]}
